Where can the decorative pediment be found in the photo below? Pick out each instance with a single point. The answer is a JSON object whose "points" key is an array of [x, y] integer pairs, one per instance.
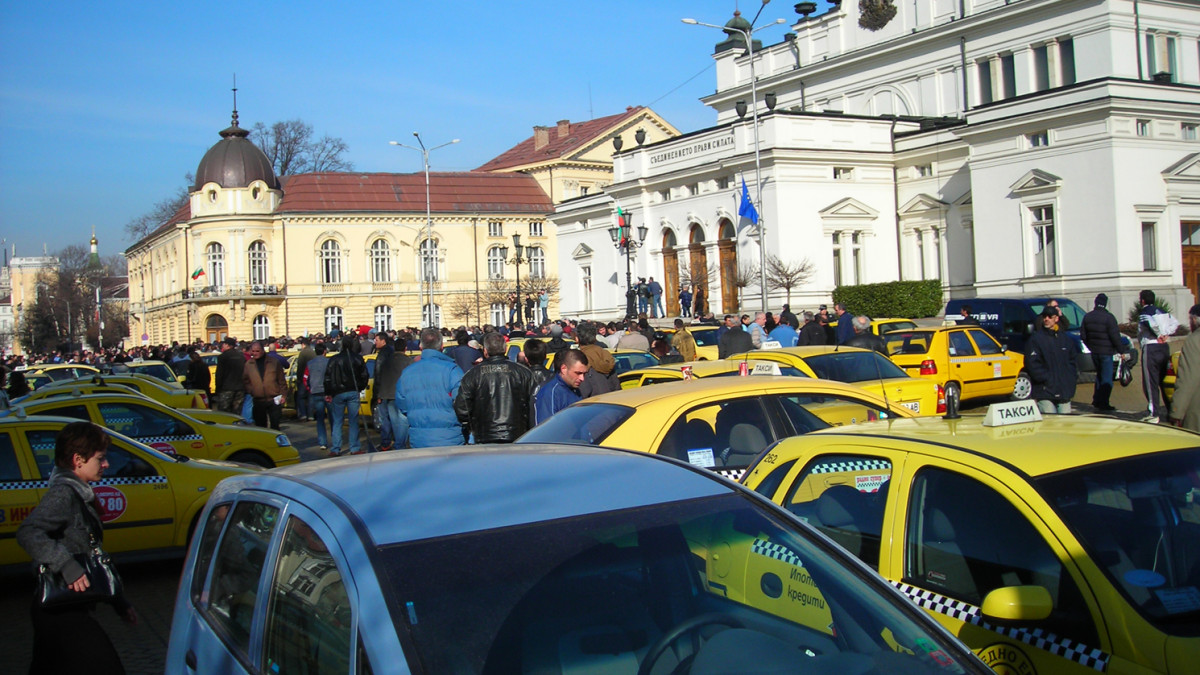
{"points": [[922, 204], [582, 251], [1187, 168], [848, 209], [1036, 180], [965, 200]]}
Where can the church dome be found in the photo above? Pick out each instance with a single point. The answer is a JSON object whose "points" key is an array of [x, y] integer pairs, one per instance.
{"points": [[235, 161]]}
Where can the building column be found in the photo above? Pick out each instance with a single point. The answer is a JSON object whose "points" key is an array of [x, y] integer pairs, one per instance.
{"points": [[997, 72]]}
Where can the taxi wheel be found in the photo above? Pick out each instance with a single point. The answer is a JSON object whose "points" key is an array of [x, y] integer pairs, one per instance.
{"points": [[252, 457], [1023, 387]]}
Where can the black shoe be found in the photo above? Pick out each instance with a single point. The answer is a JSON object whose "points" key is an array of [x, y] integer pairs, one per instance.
{"points": [[1105, 408]]}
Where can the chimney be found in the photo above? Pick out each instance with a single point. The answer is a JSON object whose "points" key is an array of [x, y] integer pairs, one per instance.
{"points": [[564, 128], [541, 137]]}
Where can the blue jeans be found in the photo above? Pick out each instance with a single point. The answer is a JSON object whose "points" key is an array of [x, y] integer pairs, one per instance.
{"points": [[345, 407], [643, 304], [1104, 380], [393, 424], [320, 409], [657, 307], [248, 409]]}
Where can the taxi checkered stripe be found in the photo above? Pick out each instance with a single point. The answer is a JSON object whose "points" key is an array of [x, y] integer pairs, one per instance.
{"points": [[857, 465], [734, 475], [41, 484], [1091, 657], [776, 551], [168, 439]]}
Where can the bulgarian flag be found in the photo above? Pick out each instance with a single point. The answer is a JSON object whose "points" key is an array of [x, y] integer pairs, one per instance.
{"points": [[198, 273], [623, 224]]}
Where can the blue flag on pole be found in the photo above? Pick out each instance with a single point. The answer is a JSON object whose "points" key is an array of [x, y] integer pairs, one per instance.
{"points": [[746, 209]]}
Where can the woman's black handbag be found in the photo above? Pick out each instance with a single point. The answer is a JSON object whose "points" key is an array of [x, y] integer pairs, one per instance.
{"points": [[53, 592]]}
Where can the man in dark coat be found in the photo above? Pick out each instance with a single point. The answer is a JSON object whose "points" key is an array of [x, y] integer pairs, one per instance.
{"points": [[389, 364], [494, 397], [1050, 362], [1099, 332], [863, 337], [812, 333], [734, 341], [230, 387]]}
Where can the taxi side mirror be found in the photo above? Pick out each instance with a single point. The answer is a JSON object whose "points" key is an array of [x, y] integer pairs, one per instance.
{"points": [[1018, 603]]}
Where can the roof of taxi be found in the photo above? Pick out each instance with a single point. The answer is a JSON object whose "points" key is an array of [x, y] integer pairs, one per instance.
{"points": [[802, 352], [519, 484], [699, 368], [715, 385], [1057, 443]]}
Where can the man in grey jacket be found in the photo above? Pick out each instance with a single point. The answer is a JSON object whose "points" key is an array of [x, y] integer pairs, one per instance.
{"points": [[315, 379]]}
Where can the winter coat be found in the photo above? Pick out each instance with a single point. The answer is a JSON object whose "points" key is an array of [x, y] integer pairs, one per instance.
{"points": [[1186, 404], [266, 385], [734, 341], [683, 342], [601, 377], [425, 393], [494, 398], [551, 397], [346, 372], [1099, 332], [231, 367], [389, 364], [1050, 362]]}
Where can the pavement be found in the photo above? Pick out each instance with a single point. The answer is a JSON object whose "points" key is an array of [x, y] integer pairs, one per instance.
{"points": [[151, 586]]}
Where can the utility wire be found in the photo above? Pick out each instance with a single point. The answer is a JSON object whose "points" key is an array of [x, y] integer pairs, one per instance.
{"points": [[682, 84]]}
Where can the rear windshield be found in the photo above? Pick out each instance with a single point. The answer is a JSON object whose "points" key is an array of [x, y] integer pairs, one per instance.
{"points": [[853, 367], [579, 425], [706, 338], [892, 326], [907, 342]]}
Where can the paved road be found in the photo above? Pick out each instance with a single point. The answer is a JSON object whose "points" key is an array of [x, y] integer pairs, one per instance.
{"points": [[152, 586]]}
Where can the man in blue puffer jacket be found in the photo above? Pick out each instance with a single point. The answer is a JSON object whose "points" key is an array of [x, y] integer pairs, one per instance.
{"points": [[425, 393]]}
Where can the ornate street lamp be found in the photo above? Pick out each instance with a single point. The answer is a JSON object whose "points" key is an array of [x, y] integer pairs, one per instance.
{"points": [[622, 236], [521, 255]]}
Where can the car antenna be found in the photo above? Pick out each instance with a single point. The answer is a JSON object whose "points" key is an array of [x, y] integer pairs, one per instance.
{"points": [[879, 375]]}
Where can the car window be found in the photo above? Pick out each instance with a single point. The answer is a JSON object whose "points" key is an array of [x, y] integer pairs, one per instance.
{"points": [[41, 442], [308, 621], [649, 380], [904, 342], [239, 562], [809, 412], [579, 424], [124, 464], [138, 421], [208, 543], [851, 366], [965, 540], [892, 326], [75, 411], [728, 433], [705, 338], [844, 496], [960, 344], [10, 470], [1017, 318], [626, 362], [985, 342]]}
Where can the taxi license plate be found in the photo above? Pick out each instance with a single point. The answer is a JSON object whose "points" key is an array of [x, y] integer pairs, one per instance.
{"points": [[914, 406]]}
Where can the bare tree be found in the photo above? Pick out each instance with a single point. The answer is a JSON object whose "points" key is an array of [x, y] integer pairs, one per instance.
{"points": [[699, 278], [161, 212], [291, 148], [462, 308], [746, 277], [788, 274]]}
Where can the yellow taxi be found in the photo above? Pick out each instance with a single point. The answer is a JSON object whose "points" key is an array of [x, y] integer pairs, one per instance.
{"points": [[1063, 544], [150, 387], [881, 326], [156, 369], [60, 371], [862, 367], [151, 500], [966, 361], [707, 344], [168, 430], [719, 423], [674, 372]]}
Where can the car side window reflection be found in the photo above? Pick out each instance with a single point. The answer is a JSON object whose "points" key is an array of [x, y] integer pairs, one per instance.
{"points": [[985, 342], [10, 470], [137, 421], [809, 412], [75, 411], [844, 497], [41, 442], [960, 345], [308, 624], [729, 433], [240, 560], [965, 540], [124, 464]]}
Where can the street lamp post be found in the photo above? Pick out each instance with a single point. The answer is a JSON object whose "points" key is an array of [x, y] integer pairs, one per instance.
{"points": [[622, 236], [428, 266], [520, 256], [748, 38]]}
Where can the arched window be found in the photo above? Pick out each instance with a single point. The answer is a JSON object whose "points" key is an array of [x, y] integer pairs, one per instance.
{"points": [[257, 255], [727, 230], [669, 239], [537, 262], [333, 318], [381, 261], [383, 318], [497, 313], [331, 262], [697, 234], [433, 318], [495, 263], [214, 257], [429, 256], [262, 327]]}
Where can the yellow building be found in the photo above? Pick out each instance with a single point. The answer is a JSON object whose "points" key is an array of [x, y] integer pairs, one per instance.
{"points": [[574, 159], [254, 255]]}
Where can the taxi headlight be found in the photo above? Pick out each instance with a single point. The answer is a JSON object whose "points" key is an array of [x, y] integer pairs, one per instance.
{"points": [[282, 440]]}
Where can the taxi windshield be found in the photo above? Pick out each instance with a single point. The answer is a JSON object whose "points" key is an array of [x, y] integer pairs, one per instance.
{"points": [[1139, 519], [690, 586], [706, 338], [853, 366], [579, 425]]}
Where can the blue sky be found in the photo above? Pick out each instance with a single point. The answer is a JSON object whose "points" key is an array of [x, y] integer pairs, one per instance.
{"points": [[104, 106]]}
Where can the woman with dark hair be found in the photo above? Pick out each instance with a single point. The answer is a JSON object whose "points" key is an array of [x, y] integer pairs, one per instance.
{"points": [[17, 385], [62, 526]]}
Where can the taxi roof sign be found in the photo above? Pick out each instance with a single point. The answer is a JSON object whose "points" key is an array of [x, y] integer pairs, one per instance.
{"points": [[767, 368], [1012, 412]]}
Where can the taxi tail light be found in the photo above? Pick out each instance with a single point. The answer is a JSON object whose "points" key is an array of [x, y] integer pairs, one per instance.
{"points": [[204, 399], [1171, 368], [929, 367], [941, 399]]}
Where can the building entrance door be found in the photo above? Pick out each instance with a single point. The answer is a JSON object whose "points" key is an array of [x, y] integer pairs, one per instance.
{"points": [[216, 329], [671, 281], [1191, 257]]}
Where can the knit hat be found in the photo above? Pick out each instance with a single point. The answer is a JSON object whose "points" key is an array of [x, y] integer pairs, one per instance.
{"points": [[1101, 300]]}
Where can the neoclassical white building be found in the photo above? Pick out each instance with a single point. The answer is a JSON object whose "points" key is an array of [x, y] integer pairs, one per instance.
{"points": [[1005, 147]]}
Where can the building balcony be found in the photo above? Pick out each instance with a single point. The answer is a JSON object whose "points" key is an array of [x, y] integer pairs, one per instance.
{"points": [[234, 292]]}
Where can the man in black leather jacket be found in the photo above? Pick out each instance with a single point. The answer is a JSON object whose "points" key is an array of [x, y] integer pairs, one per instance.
{"points": [[494, 397]]}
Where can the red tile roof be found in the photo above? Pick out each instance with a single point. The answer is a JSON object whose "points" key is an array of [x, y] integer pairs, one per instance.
{"points": [[460, 192], [578, 134]]}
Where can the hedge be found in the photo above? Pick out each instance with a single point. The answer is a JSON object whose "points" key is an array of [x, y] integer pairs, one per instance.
{"points": [[897, 299]]}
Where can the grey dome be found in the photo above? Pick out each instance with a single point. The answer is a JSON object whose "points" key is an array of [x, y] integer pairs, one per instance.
{"points": [[235, 162]]}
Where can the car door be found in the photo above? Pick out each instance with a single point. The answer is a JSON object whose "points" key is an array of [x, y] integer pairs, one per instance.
{"points": [[724, 436], [153, 426], [959, 535], [21, 487], [966, 365], [1003, 367]]}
